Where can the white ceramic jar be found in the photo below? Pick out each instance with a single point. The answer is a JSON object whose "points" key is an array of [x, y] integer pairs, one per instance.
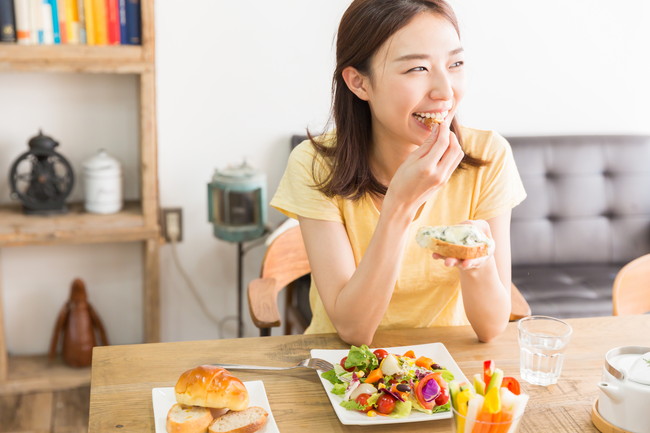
{"points": [[624, 400], [102, 180]]}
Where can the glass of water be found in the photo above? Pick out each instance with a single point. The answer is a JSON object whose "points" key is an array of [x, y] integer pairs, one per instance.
{"points": [[542, 341]]}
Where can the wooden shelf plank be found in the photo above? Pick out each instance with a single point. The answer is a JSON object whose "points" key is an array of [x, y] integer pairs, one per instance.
{"points": [[120, 59], [37, 374], [76, 226]]}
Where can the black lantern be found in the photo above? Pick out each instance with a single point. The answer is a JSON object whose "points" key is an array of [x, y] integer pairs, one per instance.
{"points": [[41, 178]]}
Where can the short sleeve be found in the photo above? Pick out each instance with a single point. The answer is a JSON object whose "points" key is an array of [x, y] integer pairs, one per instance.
{"points": [[500, 186], [296, 194]]}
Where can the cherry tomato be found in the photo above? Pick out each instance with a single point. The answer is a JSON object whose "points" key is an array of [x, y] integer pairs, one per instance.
{"points": [[380, 354], [362, 399], [343, 365], [385, 403], [443, 397]]}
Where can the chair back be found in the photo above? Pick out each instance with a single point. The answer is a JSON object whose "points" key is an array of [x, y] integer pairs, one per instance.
{"points": [[631, 291], [285, 261]]}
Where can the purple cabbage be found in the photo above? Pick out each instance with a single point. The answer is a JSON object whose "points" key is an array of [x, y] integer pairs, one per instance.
{"points": [[430, 390]]}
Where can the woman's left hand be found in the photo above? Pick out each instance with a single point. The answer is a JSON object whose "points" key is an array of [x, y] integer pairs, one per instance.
{"points": [[471, 263]]}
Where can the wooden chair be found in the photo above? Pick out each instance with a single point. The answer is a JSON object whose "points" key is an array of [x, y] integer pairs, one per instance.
{"points": [[285, 261], [631, 291]]}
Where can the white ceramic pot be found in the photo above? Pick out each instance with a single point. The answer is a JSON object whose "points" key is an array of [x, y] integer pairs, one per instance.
{"points": [[624, 398], [102, 175]]}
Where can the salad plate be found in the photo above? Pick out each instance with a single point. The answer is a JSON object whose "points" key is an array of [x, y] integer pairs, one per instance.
{"points": [[436, 351], [164, 398]]}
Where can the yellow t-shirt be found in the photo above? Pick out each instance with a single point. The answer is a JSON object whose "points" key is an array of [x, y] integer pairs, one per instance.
{"points": [[426, 292]]}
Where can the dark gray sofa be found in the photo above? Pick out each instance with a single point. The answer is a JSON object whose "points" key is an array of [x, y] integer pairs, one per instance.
{"points": [[586, 215]]}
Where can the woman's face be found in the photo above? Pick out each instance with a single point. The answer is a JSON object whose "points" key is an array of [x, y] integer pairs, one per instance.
{"points": [[417, 72]]}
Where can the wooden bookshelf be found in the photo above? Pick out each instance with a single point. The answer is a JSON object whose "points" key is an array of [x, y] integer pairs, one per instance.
{"points": [[116, 59], [137, 222]]}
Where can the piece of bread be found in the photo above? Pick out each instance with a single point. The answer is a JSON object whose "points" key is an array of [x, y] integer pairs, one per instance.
{"points": [[430, 121], [213, 387], [462, 241], [188, 419], [246, 421]]}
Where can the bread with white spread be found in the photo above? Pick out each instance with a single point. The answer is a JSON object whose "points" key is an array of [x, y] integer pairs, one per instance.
{"points": [[461, 241]]}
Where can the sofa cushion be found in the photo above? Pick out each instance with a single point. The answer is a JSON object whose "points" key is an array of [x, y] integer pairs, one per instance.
{"points": [[588, 199], [567, 290]]}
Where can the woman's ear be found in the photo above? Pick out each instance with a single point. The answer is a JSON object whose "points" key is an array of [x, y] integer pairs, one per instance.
{"points": [[356, 82]]}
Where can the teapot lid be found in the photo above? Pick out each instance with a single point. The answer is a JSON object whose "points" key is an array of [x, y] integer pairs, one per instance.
{"points": [[632, 362], [640, 370], [101, 161]]}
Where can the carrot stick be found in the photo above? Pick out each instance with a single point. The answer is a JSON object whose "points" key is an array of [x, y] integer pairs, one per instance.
{"points": [[480, 426]]}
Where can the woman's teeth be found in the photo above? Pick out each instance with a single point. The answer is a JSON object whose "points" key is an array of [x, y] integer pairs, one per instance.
{"points": [[435, 117]]}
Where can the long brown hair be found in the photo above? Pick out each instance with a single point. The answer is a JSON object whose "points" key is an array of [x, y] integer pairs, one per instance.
{"points": [[350, 175]]}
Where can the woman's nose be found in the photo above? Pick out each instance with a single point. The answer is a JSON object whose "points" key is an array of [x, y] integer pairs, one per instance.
{"points": [[441, 87]]}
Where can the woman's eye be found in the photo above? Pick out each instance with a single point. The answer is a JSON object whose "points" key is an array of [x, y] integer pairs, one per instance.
{"points": [[457, 64], [418, 69]]}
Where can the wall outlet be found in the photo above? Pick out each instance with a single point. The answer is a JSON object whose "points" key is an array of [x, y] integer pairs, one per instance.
{"points": [[172, 224]]}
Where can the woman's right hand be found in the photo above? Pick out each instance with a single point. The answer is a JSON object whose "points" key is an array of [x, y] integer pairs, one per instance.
{"points": [[427, 168]]}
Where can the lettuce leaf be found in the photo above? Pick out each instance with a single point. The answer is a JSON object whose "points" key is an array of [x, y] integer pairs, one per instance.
{"points": [[362, 358]]}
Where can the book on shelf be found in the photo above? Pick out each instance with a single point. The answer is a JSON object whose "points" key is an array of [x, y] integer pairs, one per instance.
{"points": [[7, 21], [133, 24], [112, 22], [91, 22]]}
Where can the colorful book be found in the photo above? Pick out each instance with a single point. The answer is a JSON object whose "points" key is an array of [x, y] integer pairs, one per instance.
{"points": [[60, 12], [7, 21], [36, 21], [133, 24], [122, 14], [71, 21], [90, 22], [112, 22], [81, 14], [47, 23], [99, 17], [23, 20], [51, 21]]}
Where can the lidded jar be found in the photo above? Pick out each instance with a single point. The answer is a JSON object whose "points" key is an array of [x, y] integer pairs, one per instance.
{"points": [[102, 175]]}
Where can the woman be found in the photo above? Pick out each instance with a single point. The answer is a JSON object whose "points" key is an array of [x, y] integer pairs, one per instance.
{"points": [[361, 191]]}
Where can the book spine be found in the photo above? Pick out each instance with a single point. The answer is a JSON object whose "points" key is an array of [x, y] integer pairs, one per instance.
{"points": [[72, 21], [51, 11], [81, 13], [47, 24], [133, 25], [63, 21], [113, 22], [23, 27], [101, 25], [122, 15], [36, 21], [90, 22], [7, 21]]}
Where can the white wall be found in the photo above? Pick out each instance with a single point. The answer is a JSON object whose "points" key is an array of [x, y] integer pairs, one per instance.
{"points": [[236, 80]]}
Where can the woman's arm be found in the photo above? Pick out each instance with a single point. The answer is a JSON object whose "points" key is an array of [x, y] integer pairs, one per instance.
{"points": [[486, 289], [355, 298]]}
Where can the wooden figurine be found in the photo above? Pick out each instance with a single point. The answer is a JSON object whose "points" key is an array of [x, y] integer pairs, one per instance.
{"points": [[78, 322]]}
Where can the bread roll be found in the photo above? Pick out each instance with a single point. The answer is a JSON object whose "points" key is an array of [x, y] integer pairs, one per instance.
{"points": [[212, 387], [188, 419], [247, 421], [462, 241]]}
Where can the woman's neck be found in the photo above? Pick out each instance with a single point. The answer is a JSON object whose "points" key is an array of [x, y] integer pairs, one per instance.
{"points": [[386, 155]]}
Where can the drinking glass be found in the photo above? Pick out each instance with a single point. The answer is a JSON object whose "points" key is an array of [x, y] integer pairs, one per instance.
{"points": [[542, 341]]}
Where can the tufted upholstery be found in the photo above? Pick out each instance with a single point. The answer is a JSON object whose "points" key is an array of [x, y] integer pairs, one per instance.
{"points": [[587, 214]]}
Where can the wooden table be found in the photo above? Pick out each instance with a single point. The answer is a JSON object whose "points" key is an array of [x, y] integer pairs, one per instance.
{"points": [[123, 376]]}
